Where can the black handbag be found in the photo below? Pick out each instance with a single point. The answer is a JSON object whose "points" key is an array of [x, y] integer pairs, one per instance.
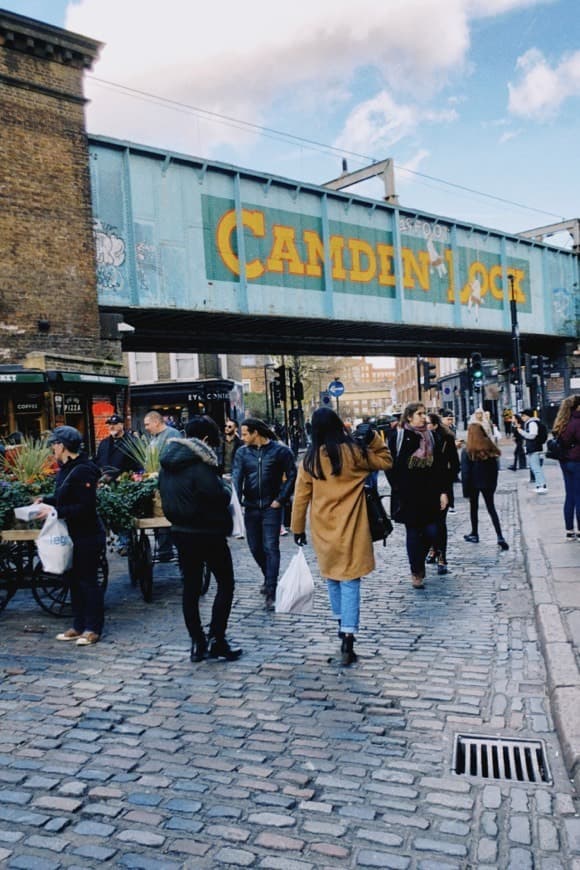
{"points": [[379, 521], [554, 449]]}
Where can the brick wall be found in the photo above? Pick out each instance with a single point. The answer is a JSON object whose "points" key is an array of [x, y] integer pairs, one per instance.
{"points": [[46, 240]]}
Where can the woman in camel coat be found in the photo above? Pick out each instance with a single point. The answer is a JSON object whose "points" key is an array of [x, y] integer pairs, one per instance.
{"points": [[331, 480]]}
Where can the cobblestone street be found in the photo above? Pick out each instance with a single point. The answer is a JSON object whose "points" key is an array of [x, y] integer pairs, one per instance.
{"points": [[126, 754]]}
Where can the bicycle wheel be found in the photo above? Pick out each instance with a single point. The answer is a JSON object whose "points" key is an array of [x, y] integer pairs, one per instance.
{"points": [[206, 577], [52, 591], [132, 557], [144, 567]]}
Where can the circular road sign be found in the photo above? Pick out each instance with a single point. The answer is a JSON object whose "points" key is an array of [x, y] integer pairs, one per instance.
{"points": [[336, 388]]}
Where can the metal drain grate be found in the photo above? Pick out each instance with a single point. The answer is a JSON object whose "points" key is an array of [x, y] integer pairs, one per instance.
{"points": [[499, 758]]}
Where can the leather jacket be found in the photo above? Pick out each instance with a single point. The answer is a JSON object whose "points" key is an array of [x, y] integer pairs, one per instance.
{"points": [[258, 474]]}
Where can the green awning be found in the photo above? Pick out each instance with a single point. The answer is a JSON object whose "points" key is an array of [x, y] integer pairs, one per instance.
{"points": [[22, 378], [89, 378]]}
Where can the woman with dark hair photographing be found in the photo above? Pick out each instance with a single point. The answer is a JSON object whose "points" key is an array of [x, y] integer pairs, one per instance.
{"points": [[331, 481], [446, 439], [196, 501], [567, 430], [419, 486], [479, 470]]}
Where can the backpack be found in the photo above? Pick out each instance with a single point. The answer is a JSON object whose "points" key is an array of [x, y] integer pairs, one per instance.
{"points": [[542, 435]]}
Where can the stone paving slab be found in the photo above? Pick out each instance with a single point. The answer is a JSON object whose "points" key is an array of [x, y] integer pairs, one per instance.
{"points": [[127, 754]]}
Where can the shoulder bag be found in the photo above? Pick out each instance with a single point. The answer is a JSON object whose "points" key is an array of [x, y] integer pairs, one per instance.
{"points": [[379, 522]]}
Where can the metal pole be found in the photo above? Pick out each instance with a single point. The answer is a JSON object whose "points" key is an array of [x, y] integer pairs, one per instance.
{"points": [[266, 392], [419, 392], [285, 404], [516, 343]]}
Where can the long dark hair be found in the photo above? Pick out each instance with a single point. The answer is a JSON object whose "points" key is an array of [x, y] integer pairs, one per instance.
{"points": [[328, 432], [254, 424], [201, 426]]}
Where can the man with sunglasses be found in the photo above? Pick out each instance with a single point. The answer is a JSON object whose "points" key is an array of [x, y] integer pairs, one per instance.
{"points": [[232, 442]]}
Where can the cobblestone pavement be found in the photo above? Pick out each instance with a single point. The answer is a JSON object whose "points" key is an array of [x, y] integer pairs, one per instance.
{"points": [[126, 754]]}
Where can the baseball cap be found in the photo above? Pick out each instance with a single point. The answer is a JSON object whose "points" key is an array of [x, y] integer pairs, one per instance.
{"points": [[68, 436], [114, 418]]}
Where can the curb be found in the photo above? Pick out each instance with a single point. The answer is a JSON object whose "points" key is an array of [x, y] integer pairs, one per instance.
{"points": [[563, 674]]}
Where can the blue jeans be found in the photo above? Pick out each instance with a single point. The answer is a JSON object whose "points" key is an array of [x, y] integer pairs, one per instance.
{"points": [[263, 534], [344, 598], [571, 472], [535, 463]]}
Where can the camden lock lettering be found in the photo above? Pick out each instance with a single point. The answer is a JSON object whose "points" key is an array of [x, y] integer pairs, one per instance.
{"points": [[288, 248]]}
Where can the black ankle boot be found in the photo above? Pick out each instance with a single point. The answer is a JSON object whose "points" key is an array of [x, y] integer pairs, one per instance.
{"points": [[220, 649], [340, 632], [198, 649], [348, 655], [502, 544], [472, 538]]}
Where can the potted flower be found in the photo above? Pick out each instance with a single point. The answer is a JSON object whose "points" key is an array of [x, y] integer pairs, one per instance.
{"points": [[27, 470]]}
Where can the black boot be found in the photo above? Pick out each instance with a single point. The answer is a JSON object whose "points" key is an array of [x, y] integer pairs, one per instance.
{"points": [[503, 544], [198, 649], [340, 631], [472, 538], [348, 654], [220, 649]]}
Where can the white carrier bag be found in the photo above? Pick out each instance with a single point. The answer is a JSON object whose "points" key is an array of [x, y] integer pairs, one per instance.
{"points": [[295, 592], [55, 546]]}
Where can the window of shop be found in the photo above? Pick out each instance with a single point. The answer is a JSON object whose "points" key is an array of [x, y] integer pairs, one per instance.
{"points": [[142, 367]]}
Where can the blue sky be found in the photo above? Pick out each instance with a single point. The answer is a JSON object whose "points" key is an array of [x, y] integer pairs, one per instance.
{"points": [[482, 94]]}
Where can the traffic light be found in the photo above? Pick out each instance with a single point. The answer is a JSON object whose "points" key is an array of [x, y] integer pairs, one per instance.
{"points": [[279, 386], [298, 391], [429, 375], [514, 374], [532, 367], [476, 368]]}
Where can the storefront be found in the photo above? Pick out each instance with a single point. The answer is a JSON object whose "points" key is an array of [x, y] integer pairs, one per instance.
{"points": [[33, 402], [177, 401]]}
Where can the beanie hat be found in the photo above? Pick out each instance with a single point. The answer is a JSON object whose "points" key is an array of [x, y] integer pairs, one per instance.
{"points": [[68, 436]]}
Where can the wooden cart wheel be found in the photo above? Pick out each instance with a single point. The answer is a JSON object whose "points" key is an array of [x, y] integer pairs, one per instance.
{"points": [[52, 591], [133, 556], [144, 567], [8, 569], [206, 577]]}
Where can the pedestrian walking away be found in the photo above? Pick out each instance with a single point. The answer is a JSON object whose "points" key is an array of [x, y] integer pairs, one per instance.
{"points": [[75, 500], [450, 470], [479, 473], [331, 480], [264, 474], [418, 481], [567, 430], [196, 502], [534, 434]]}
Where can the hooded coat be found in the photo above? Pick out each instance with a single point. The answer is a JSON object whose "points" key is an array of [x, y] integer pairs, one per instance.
{"points": [[339, 523], [195, 499], [570, 438]]}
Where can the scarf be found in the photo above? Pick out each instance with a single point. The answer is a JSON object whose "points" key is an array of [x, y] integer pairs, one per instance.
{"points": [[423, 455]]}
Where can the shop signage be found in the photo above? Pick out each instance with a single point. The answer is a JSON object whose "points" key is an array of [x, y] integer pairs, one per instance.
{"points": [[73, 405], [28, 405]]}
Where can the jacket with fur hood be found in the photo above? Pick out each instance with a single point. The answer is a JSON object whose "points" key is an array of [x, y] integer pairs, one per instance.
{"points": [[195, 498]]}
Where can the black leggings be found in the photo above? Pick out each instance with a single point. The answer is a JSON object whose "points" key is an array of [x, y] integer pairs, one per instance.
{"points": [[473, 505], [193, 551]]}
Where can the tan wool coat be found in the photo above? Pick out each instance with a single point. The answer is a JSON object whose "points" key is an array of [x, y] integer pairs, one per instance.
{"points": [[339, 525]]}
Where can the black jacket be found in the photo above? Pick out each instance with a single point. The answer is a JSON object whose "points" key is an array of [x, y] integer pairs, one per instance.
{"points": [[112, 457], [75, 497], [416, 492], [478, 474], [258, 474], [195, 499]]}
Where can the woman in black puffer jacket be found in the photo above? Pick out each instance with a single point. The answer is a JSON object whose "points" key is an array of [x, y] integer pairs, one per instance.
{"points": [[196, 501], [479, 470]]}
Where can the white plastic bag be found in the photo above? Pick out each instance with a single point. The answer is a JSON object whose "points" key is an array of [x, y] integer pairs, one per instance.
{"points": [[55, 546], [27, 513], [295, 592], [239, 529]]}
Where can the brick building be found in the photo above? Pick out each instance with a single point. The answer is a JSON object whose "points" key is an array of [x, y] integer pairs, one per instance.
{"points": [[49, 317]]}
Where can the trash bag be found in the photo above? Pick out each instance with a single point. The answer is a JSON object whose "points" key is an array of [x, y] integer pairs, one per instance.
{"points": [[54, 545], [238, 529], [295, 592]]}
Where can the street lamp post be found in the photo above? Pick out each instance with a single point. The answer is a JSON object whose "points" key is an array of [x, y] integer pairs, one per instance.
{"points": [[266, 389], [516, 351]]}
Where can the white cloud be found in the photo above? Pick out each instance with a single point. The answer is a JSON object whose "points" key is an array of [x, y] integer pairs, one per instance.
{"points": [[243, 59], [542, 88], [508, 135]]}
